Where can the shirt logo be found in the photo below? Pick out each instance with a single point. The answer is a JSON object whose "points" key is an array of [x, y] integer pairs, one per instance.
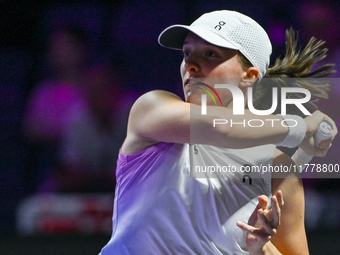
{"points": [[246, 177]]}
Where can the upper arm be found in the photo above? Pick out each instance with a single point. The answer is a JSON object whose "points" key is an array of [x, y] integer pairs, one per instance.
{"points": [[157, 116], [291, 235]]}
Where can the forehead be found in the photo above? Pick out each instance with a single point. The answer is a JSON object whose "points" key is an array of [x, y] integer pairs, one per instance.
{"points": [[193, 38]]}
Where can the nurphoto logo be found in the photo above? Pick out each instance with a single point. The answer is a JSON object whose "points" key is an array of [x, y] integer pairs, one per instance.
{"points": [[238, 99], [215, 89]]}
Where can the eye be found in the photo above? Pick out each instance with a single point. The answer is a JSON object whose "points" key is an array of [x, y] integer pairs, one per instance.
{"points": [[211, 54], [185, 53]]}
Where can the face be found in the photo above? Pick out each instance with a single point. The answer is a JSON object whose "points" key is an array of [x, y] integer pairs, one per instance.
{"points": [[204, 61]]}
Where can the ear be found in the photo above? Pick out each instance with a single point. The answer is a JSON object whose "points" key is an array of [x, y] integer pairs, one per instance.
{"points": [[249, 77], [252, 73]]}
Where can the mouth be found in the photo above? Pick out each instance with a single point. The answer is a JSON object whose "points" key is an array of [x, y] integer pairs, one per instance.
{"points": [[187, 91], [191, 81], [187, 86]]}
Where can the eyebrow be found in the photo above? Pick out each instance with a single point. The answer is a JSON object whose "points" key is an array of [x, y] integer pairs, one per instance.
{"points": [[185, 42]]}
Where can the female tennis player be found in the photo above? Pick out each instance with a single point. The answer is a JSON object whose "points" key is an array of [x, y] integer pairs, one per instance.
{"points": [[185, 186]]}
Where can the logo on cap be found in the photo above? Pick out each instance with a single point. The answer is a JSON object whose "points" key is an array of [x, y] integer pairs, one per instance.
{"points": [[219, 26]]}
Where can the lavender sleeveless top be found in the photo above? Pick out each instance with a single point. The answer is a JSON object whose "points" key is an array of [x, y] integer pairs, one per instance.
{"points": [[166, 204]]}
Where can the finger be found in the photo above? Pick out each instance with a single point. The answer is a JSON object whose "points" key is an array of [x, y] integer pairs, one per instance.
{"points": [[267, 226], [279, 197], [262, 204], [249, 229], [319, 151], [335, 132], [261, 236], [325, 143], [322, 152], [276, 214]]}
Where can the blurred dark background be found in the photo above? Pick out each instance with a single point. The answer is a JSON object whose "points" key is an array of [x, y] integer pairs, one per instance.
{"points": [[70, 70]]}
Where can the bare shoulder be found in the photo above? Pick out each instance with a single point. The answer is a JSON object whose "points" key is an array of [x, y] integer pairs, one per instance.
{"points": [[153, 97], [151, 120]]}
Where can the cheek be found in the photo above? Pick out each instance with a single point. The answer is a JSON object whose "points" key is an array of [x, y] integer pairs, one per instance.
{"points": [[182, 69], [230, 69]]}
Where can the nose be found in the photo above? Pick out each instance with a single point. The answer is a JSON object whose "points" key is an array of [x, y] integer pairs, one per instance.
{"points": [[191, 64]]}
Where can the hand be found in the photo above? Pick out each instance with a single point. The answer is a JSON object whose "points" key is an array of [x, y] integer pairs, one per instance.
{"points": [[263, 223], [308, 143]]}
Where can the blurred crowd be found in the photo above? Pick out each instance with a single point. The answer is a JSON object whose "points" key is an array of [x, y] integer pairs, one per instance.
{"points": [[74, 119], [70, 71]]}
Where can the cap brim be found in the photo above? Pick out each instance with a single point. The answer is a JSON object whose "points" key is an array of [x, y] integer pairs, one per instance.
{"points": [[173, 37]]}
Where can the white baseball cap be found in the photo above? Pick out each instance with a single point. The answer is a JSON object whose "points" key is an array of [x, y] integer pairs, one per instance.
{"points": [[228, 29]]}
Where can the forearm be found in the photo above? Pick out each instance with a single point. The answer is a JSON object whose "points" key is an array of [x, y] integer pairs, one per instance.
{"points": [[221, 128]]}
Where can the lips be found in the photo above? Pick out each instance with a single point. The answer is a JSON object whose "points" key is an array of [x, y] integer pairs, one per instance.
{"points": [[187, 86], [187, 91], [188, 83], [192, 81]]}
